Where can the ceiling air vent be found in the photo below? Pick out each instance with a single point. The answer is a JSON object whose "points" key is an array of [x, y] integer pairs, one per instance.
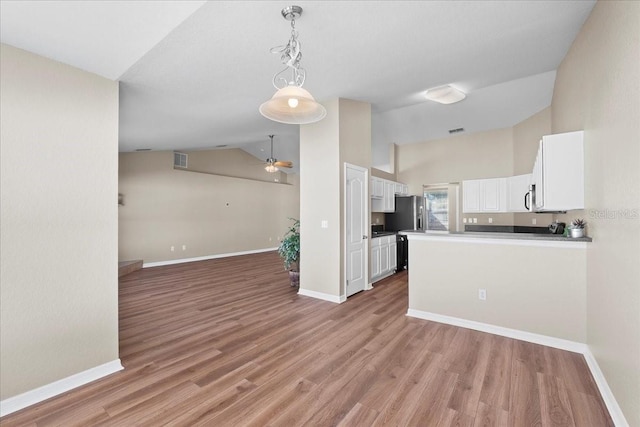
{"points": [[179, 160], [456, 130]]}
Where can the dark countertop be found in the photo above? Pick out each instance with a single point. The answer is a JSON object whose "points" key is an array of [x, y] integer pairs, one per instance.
{"points": [[382, 233], [489, 235]]}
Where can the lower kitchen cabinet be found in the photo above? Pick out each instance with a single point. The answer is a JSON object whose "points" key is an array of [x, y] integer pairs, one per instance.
{"points": [[384, 257]]}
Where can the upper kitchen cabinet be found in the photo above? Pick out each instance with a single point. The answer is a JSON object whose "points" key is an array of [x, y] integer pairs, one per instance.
{"points": [[401, 189], [517, 189], [383, 194], [484, 195], [558, 173], [377, 188]]}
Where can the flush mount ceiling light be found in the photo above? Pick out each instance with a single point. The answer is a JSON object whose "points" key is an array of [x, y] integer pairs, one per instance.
{"points": [[445, 94], [291, 103]]}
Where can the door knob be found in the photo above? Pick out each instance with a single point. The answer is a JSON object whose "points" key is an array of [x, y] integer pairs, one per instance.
{"points": [[365, 237]]}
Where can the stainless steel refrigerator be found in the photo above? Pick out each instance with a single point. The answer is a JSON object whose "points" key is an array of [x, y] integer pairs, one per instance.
{"points": [[409, 214]]}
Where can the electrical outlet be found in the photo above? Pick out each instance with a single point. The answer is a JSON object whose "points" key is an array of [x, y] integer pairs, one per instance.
{"points": [[534, 221], [324, 224], [184, 247], [482, 294], [490, 220], [173, 248], [475, 220], [464, 220]]}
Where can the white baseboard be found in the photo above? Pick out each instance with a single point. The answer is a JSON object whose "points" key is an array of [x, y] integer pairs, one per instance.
{"points": [[204, 258], [560, 343], [321, 295], [609, 400], [612, 405], [45, 392]]}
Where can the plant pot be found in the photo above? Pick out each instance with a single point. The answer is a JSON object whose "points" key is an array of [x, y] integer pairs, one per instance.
{"points": [[576, 232], [294, 278]]}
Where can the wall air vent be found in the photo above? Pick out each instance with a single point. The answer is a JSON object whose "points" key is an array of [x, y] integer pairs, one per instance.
{"points": [[179, 160], [456, 130]]}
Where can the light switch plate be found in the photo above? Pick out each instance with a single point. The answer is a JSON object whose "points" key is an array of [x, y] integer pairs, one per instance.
{"points": [[324, 224]]}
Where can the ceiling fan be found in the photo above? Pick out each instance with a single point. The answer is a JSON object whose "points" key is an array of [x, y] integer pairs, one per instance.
{"points": [[273, 164]]}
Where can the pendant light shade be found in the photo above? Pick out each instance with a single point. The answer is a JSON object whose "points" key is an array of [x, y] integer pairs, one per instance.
{"points": [[293, 105]]}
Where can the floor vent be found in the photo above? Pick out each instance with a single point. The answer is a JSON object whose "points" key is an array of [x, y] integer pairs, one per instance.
{"points": [[179, 160], [456, 130]]}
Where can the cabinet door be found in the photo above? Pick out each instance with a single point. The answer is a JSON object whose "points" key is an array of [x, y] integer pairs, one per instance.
{"points": [[471, 196], [375, 261], [562, 172], [384, 258], [517, 188], [398, 188], [377, 188], [493, 195], [389, 196], [393, 254]]}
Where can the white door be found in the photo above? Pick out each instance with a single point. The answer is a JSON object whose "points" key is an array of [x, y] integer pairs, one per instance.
{"points": [[356, 233]]}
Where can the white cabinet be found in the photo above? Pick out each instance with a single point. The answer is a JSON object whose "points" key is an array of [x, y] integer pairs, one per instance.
{"points": [[383, 194], [384, 257], [389, 196], [393, 254], [375, 258], [493, 195], [484, 195], [517, 188], [471, 196], [401, 189], [377, 188], [558, 173]]}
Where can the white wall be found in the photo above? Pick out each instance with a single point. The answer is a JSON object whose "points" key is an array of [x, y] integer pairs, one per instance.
{"points": [[598, 89], [59, 284]]}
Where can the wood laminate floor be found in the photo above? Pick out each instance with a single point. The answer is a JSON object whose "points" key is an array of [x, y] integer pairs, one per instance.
{"points": [[228, 342]]}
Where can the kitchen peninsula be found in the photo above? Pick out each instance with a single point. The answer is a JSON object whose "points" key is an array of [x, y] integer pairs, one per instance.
{"points": [[521, 285]]}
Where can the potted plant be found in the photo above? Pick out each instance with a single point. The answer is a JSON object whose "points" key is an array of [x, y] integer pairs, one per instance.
{"points": [[576, 228], [289, 250]]}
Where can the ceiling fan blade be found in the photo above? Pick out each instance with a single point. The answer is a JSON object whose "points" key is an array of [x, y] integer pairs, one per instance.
{"points": [[284, 164]]}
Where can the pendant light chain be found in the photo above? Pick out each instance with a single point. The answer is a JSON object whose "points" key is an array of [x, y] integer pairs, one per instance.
{"points": [[291, 54]]}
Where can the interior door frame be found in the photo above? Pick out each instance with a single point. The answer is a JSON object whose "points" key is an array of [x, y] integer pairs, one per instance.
{"points": [[367, 220]]}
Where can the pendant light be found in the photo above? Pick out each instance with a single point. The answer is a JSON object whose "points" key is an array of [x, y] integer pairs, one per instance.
{"points": [[291, 103]]}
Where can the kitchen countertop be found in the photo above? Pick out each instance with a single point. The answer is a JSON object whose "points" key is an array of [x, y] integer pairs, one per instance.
{"points": [[375, 234], [490, 235]]}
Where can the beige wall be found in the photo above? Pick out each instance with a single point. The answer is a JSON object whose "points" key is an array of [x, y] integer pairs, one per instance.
{"points": [[233, 162], [59, 285], [209, 214], [598, 89], [343, 136], [320, 173], [480, 155], [548, 301]]}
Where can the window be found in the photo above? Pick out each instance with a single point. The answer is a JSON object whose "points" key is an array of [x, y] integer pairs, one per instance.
{"points": [[441, 204]]}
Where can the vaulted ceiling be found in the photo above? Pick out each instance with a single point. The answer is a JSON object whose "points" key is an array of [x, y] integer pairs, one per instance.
{"points": [[193, 73]]}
